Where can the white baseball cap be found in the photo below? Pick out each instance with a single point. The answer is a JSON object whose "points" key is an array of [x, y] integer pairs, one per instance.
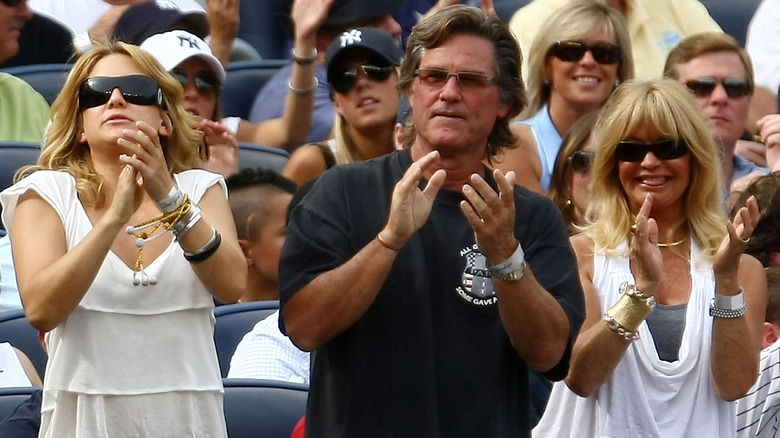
{"points": [[176, 46]]}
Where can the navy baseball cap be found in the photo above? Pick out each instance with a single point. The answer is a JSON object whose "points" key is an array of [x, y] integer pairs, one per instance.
{"points": [[369, 39]]}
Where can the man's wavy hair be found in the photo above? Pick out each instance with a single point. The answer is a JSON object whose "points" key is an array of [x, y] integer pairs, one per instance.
{"points": [[466, 20]]}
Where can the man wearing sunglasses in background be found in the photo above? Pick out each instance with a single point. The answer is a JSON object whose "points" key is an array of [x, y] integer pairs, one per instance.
{"points": [[408, 273], [24, 113], [720, 75]]}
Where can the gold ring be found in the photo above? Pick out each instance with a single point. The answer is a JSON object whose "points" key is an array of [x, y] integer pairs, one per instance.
{"points": [[633, 229], [743, 240]]}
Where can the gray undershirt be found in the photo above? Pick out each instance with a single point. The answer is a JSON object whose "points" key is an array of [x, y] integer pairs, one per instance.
{"points": [[667, 323]]}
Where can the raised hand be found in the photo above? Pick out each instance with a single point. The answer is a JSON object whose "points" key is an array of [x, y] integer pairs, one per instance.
{"points": [[308, 16], [147, 159], [726, 262], [410, 206], [645, 258], [492, 215], [223, 148]]}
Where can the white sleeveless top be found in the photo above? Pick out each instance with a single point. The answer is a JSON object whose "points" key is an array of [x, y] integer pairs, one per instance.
{"points": [[123, 339], [645, 396]]}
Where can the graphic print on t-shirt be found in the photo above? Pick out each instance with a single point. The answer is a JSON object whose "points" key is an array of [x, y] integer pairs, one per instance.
{"points": [[476, 284]]}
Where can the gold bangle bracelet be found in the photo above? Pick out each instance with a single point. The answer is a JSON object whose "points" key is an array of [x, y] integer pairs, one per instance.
{"points": [[385, 243], [632, 308]]}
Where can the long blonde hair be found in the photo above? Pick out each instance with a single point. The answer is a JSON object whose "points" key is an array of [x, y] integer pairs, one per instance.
{"points": [[184, 148], [669, 107]]}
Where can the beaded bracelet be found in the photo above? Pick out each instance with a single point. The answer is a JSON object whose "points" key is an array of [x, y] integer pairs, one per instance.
{"points": [[620, 330]]}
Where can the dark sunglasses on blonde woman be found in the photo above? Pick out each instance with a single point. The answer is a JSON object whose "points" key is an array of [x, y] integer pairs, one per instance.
{"points": [[572, 51], [135, 89], [582, 161], [634, 150]]}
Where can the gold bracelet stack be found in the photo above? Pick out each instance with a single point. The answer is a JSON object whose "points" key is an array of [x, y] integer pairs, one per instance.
{"points": [[147, 231], [629, 311]]}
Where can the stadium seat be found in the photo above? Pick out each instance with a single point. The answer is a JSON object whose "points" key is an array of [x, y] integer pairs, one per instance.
{"points": [[13, 155], [263, 408], [265, 157], [10, 398], [243, 81], [47, 79], [16, 330], [733, 16], [263, 25], [233, 321]]}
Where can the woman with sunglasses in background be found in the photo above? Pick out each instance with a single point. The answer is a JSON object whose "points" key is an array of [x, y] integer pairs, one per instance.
{"points": [[362, 72], [575, 62], [570, 182], [658, 356], [120, 246]]}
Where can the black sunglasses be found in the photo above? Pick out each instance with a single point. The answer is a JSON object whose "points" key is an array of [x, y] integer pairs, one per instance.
{"points": [[346, 78], [11, 3], [135, 89], [703, 86], [581, 161], [204, 82], [571, 51], [666, 149]]}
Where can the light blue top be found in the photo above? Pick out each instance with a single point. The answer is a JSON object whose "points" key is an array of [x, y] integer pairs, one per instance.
{"points": [[548, 142]]}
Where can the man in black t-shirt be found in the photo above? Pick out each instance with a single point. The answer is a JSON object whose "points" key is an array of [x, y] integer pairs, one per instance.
{"points": [[427, 283]]}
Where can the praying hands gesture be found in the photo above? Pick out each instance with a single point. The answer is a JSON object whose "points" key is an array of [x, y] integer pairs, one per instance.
{"points": [[147, 158]]}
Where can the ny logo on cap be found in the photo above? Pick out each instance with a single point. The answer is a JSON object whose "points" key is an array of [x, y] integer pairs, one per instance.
{"points": [[351, 37], [187, 41]]}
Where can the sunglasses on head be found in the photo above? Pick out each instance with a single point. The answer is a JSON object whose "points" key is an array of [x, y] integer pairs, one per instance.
{"points": [[703, 86], [581, 161], [11, 3], [135, 89], [666, 149], [204, 82], [346, 78], [572, 51]]}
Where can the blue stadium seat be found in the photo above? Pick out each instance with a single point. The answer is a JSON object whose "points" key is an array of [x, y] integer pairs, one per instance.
{"points": [[233, 321], [10, 398], [733, 16], [263, 25], [47, 79], [263, 408], [16, 330], [13, 155], [243, 81], [265, 157]]}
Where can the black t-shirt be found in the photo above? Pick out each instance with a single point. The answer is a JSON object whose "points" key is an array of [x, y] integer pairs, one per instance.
{"points": [[430, 357]]}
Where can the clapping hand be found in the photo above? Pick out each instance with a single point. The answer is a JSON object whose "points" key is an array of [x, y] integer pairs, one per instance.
{"points": [[645, 258]]}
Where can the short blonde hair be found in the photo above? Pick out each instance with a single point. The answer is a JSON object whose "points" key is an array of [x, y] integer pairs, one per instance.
{"points": [[668, 107], [572, 23], [184, 148]]}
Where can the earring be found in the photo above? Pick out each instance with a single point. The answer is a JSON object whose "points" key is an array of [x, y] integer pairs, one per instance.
{"points": [[568, 202], [546, 82], [617, 83]]}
